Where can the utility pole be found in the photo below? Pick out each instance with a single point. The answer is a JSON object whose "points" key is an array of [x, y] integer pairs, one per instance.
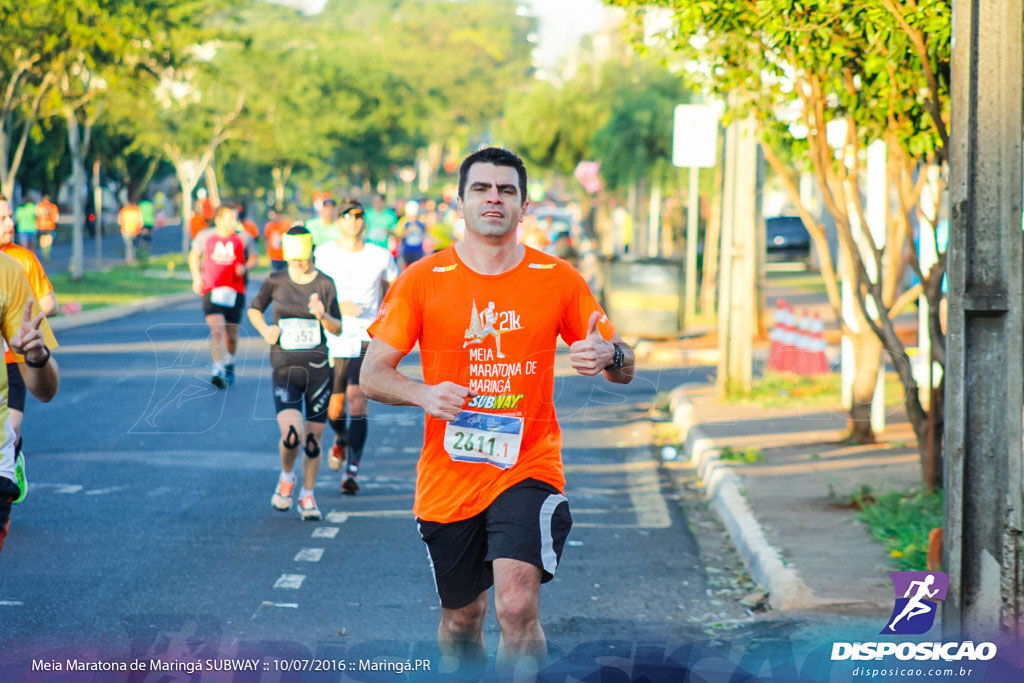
{"points": [[984, 357], [739, 264]]}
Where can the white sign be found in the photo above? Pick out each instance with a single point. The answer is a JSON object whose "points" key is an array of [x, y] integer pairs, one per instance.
{"points": [[695, 136]]}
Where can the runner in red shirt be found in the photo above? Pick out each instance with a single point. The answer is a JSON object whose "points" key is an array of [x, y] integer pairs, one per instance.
{"points": [[219, 260], [486, 314]]}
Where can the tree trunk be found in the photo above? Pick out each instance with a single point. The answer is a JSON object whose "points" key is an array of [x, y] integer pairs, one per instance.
{"points": [[281, 174], [867, 351], [187, 185], [211, 184], [78, 190]]}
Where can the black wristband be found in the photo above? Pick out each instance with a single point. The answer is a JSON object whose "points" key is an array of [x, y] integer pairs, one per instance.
{"points": [[617, 360], [39, 363]]}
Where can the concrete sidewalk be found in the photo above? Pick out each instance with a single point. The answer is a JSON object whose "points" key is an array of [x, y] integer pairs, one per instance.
{"points": [[787, 515]]}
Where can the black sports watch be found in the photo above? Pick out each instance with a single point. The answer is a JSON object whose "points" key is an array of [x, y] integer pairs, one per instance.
{"points": [[617, 360]]}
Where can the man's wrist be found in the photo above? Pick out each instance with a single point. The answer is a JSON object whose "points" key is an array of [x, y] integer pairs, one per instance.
{"points": [[39, 363], [617, 358]]}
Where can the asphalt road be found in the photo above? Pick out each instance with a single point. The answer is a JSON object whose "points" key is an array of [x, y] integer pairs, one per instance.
{"points": [[148, 531]]}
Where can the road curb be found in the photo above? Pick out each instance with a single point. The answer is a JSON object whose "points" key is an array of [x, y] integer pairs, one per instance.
{"points": [[786, 588], [113, 312]]}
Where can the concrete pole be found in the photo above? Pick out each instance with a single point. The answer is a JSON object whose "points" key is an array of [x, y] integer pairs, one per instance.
{"points": [[693, 199], [739, 241], [725, 280], [984, 359], [654, 219]]}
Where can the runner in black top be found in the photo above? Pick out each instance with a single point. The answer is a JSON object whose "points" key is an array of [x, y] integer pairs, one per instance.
{"points": [[305, 304]]}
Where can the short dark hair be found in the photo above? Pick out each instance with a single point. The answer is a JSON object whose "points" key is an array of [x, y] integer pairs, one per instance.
{"points": [[298, 228], [498, 157], [349, 204]]}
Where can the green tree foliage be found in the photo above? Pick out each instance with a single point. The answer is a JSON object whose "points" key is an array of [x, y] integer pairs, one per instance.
{"points": [[637, 138], [880, 69]]}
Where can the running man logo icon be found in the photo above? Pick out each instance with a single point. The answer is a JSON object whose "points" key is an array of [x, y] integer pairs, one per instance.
{"points": [[486, 323], [916, 596]]}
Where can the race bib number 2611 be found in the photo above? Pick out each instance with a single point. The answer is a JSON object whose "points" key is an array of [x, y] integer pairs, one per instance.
{"points": [[484, 438]]}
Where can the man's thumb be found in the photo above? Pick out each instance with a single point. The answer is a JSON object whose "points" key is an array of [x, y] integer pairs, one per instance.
{"points": [[592, 325]]}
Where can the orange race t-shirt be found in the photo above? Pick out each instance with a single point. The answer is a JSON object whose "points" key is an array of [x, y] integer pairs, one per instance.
{"points": [[272, 232], [47, 216], [497, 335], [40, 284], [250, 227]]}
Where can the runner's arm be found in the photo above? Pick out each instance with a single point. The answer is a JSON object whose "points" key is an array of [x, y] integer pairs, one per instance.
{"points": [[381, 381], [270, 333], [48, 304], [194, 260], [43, 381], [625, 374]]}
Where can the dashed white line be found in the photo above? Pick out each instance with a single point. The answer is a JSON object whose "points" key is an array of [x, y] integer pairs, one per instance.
{"points": [[337, 517], [325, 532], [99, 492], [291, 581], [309, 555], [11, 603], [411, 449]]}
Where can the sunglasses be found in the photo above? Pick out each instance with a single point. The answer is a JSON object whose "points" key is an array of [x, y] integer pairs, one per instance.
{"points": [[352, 214]]}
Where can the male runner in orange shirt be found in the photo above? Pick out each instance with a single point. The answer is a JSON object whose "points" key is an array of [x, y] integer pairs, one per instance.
{"points": [[489, 483]]}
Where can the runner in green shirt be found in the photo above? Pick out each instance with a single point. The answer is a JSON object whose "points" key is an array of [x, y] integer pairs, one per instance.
{"points": [[380, 223], [325, 227], [25, 217]]}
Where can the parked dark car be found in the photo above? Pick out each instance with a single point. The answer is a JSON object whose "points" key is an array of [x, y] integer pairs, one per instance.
{"points": [[787, 239]]}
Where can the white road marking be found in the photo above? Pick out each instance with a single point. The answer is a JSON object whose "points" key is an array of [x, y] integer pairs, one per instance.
{"points": [[309, 555], [11, 603], [267, 603], [99, 492], [325, 532], [292, 581], [337, 517], [651, 508], [411, 449], [58, 488]]}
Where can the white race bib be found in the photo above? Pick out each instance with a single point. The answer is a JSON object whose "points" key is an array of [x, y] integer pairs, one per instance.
{"points": [[299, 334], [223, 296], [484, 438]]}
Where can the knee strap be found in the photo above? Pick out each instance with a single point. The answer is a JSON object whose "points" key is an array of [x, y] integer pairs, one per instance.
{"points": [[312, 447], [291, 439]]}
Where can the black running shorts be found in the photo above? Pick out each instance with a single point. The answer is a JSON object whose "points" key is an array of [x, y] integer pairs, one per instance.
{"points": [[232, 315], [302, 386], [528, 522], [15, 388], [346, 370]]}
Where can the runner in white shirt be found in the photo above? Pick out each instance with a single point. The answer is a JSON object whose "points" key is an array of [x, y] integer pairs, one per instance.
{"points": [[362, 273]]}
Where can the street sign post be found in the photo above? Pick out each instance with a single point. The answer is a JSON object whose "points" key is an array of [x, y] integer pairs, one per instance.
{"points": [[694, 146]]}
